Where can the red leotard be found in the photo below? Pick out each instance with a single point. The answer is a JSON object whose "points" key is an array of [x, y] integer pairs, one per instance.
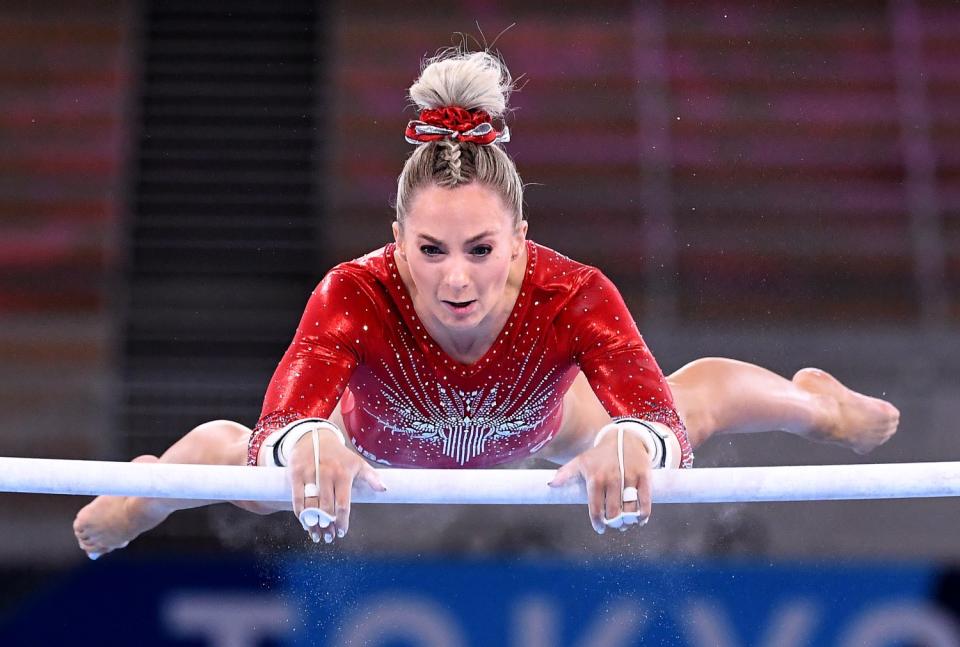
{"points": [[410, 404]]}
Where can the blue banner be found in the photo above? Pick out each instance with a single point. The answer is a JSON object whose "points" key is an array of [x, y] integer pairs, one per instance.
{"points": [[329, 600]]}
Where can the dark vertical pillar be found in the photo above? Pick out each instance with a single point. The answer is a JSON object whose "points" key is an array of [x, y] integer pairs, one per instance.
{"points": [[224, 212]]}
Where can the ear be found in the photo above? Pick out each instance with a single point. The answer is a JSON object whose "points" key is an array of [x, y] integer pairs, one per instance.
{"points": [[398, 239], [521, 230], [519, 236]]}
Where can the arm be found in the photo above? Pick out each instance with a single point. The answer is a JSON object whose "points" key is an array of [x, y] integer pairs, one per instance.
{"points": [[607, 346], [326, 348], [620, 368], [308, 384]]}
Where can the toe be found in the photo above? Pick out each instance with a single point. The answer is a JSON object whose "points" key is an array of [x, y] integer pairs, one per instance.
{"points": [[90, 547], [893, 413]]}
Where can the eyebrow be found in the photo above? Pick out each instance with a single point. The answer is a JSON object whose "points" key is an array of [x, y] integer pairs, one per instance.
{"points": [[470, 240]]}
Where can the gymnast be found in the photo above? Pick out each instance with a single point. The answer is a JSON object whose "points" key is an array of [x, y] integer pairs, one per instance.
{"points": [[463, 344]]}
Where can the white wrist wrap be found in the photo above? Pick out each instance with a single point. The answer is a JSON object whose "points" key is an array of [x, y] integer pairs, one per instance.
{"points": [[278, 447], [653, 435]]}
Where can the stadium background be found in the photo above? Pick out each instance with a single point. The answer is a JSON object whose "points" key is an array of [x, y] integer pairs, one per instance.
{"points": [[769, 182]]}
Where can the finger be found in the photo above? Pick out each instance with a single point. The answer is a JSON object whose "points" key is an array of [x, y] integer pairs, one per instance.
{"points": [[636, 483], [325, 496], [645, 498], [342, 490], [566, 473], [326, 504], [312, 512], [631, 496], [310, 515], [634, 471], [631, 503], [313, 519], [296, 492], [613, 507], [595, 488], [641, 514], [371, 478]]}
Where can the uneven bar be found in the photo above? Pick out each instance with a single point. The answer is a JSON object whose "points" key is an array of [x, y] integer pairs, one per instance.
{"points": [[498, 486]]}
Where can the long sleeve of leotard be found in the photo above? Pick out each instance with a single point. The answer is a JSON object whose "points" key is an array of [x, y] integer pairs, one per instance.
{"points": [[326, 349], [608, 348]]}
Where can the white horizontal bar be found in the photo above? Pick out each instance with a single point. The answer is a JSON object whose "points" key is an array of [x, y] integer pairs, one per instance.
{"points": [[503, 486]]}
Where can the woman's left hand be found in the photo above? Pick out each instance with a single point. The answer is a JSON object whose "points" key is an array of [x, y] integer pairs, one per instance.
{"points": [[599, 468]]}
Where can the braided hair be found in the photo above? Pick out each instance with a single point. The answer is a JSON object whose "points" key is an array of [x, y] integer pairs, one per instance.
{"points": [[473, 81]]}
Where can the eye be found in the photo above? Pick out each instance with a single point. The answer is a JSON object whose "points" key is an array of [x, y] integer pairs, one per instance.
{"points": [[481, 250], [430, 250]]}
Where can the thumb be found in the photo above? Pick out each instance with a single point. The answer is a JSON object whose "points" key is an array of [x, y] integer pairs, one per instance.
{"points": [[371, 478], [566, 474]]}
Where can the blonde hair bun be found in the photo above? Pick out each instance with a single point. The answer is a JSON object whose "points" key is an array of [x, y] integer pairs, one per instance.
{"points": [[470, 80]]}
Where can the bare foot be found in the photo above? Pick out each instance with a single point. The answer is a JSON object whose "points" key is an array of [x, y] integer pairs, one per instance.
{"points": [[112, 522], [852, 419]]}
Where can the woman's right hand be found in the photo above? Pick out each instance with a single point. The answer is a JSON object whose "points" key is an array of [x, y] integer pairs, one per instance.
{"points": [[333, 470]]}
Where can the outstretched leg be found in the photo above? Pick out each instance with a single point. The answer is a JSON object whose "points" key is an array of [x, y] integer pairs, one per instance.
{"points": [[720, 396], [111, 522]]}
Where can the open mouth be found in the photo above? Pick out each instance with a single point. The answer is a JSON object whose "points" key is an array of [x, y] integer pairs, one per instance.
{"points": [[460, 306]]}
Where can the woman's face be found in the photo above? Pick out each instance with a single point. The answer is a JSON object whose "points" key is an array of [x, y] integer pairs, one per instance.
{"points": [[458, 245]]}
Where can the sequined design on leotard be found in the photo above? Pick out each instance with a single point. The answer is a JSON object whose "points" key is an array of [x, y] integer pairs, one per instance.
{"points": [[464, 422], [410, 404]]}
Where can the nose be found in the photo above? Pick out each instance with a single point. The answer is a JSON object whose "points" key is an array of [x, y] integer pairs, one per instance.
{"points": [[456, 278]]}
